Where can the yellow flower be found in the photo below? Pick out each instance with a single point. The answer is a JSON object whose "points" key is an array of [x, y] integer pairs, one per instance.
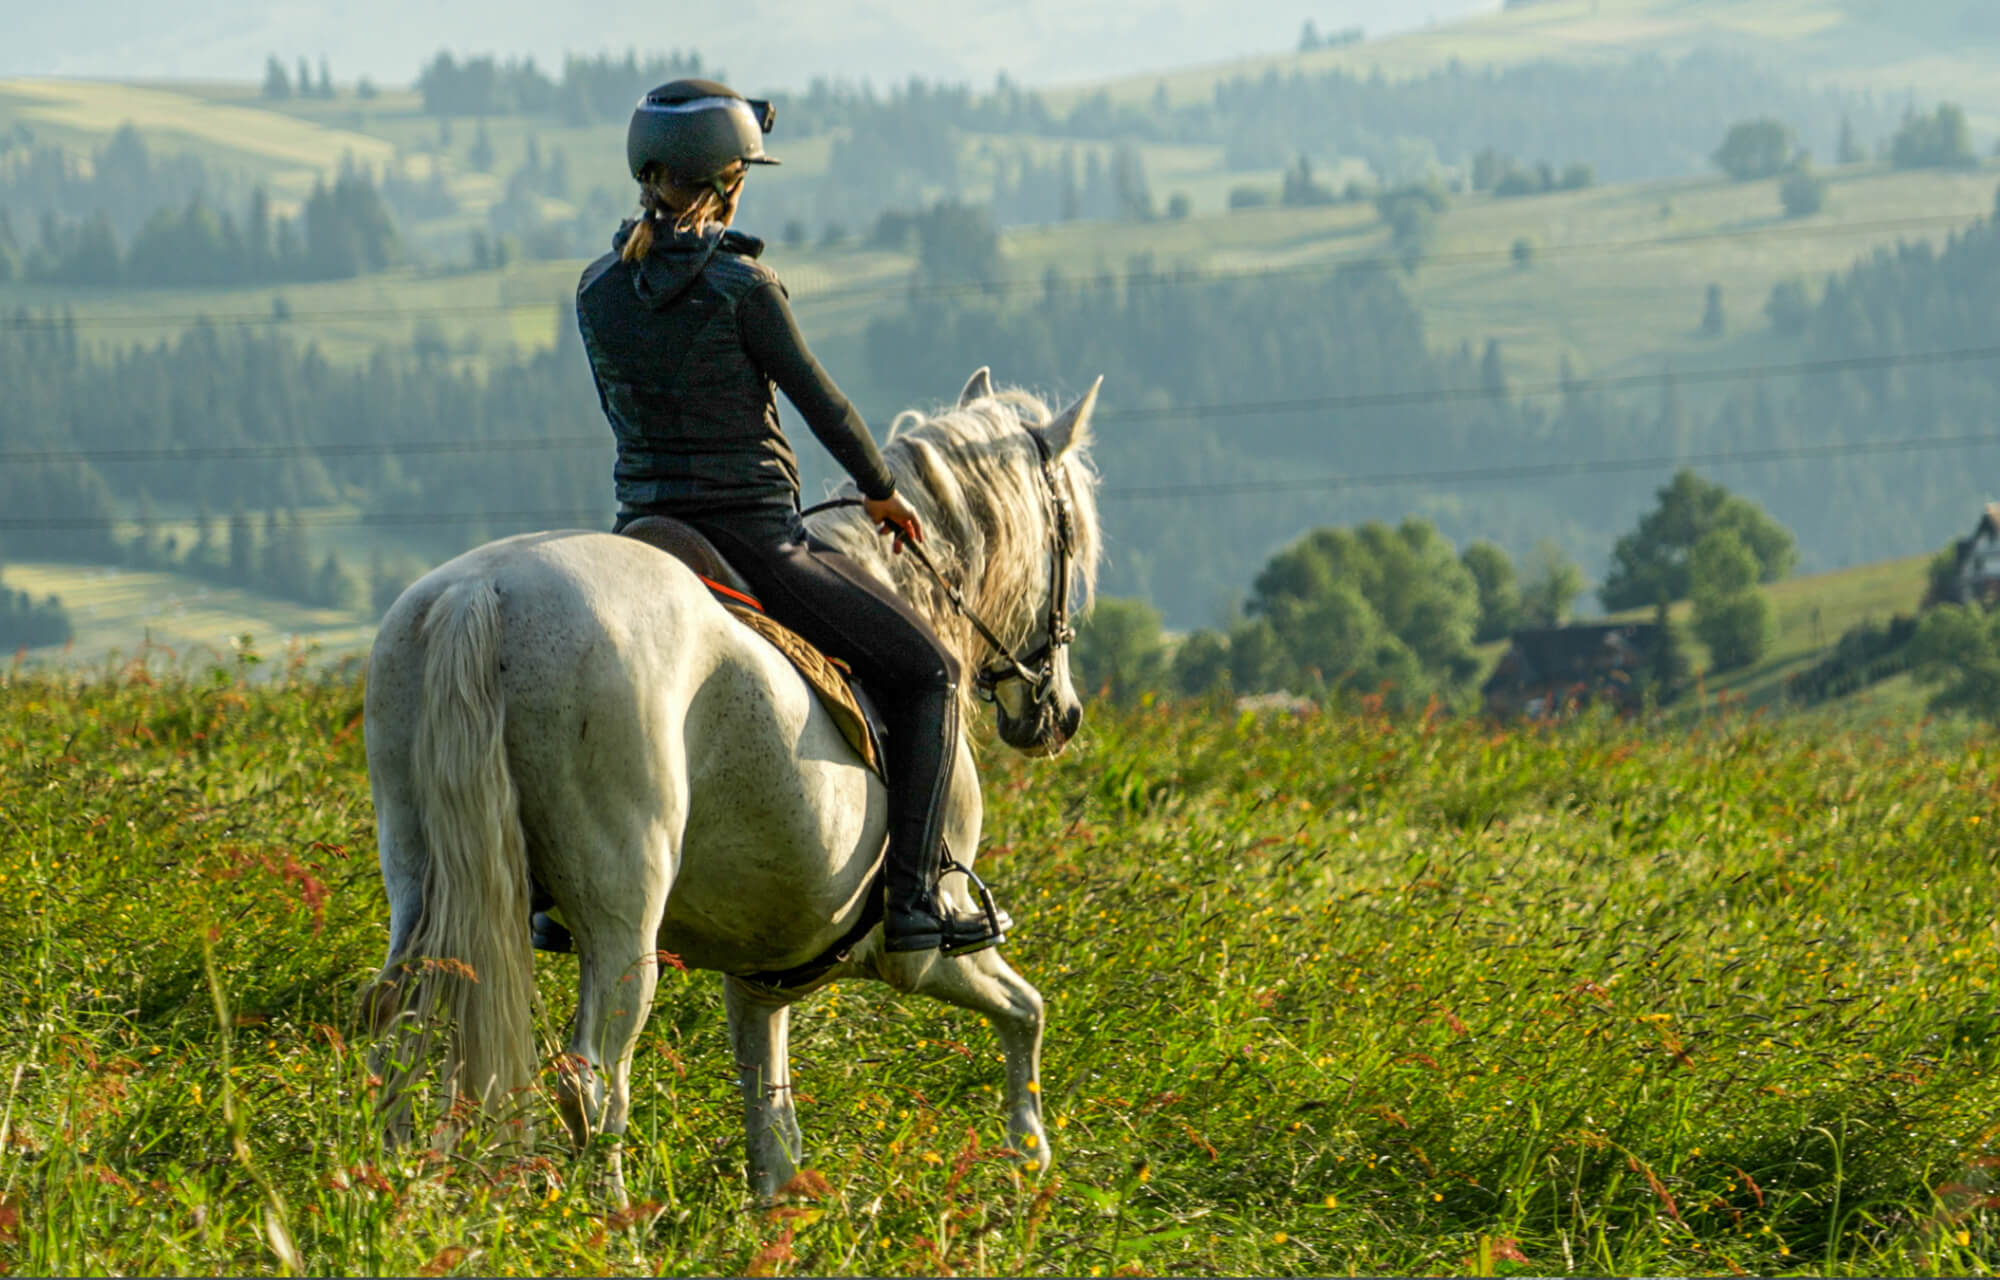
{"points": [[1280, 1238], [1333, 1202]]}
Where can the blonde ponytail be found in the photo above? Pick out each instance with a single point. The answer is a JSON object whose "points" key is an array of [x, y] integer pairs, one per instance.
{"points": [[682, 207]]}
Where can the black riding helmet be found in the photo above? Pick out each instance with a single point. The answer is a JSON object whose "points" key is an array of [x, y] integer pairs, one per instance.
{"points": [[691, 130]]}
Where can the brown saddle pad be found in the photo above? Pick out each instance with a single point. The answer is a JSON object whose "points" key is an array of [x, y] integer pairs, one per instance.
{"points": [[826, 677], [822, 673]]}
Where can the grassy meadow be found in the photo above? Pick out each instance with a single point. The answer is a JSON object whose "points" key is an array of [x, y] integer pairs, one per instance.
{"points": [[1326, 995]]}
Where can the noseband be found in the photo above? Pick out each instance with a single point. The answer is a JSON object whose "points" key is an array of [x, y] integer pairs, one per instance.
{"points": [[1037, 667]]}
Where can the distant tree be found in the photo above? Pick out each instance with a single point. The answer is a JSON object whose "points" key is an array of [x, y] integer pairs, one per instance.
{"points": [[1119, 650], [1179, 206], [1200, 665], [1523, 253], [795, 233], [1248, 198], [365, 89], [1309, 37], [1713, 321], [1802, 192], [1411, 212], [325, 80], [1578, 177], [1367, 609], [1956, 652], [1940, 140], [1789, 309], [1650, 563], [1850, 150], [1499, 594], [833, 235], [1731, 615], [1488, 167], [303, 86], [1756, 149], [277, 85], [1550, 587], [1668, 669], [243, 552], [957, 242], [1493, 371], [1300, 191], [481, 157], [26, 623], [1128, 182]]}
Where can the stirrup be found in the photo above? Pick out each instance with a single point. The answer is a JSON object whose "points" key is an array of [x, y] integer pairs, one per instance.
{"points": [[997, 922]]}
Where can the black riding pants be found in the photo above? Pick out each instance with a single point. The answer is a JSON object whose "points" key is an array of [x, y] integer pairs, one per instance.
{"points": [[825, 597]]}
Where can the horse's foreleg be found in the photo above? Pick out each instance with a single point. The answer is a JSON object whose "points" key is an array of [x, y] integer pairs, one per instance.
{"points": [[759, 1031], [987, 984]]}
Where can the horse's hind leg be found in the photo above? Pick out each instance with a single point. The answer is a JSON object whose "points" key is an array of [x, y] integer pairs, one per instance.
{"points": [[987, 984], [617, 936], [759, 1031], [389, 1009]]}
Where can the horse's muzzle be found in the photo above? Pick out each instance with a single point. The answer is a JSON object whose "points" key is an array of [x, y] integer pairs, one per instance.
{"points": [[1045, 733]]}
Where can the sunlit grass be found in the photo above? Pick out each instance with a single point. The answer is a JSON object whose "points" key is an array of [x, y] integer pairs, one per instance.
{"points": [[1325, 995]]}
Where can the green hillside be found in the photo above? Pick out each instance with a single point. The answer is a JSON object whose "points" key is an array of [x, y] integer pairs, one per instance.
{"points": [[1932, 48]]}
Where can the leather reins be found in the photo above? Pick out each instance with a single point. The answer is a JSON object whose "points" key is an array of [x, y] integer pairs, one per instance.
{"points": [[1037, 667]]}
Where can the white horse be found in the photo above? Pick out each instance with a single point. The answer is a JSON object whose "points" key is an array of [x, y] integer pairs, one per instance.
{"points": [[574, 708]]}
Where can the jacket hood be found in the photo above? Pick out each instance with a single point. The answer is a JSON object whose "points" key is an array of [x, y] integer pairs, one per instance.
{"points": [[677, 259]]}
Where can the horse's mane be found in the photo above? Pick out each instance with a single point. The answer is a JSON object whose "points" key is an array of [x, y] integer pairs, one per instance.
{"points": [[975, 478]]}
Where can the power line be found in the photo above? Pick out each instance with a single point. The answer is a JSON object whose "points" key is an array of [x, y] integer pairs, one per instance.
{"points": [[1374, 480], [1390, 399], [1227, 409], [945, 289]]}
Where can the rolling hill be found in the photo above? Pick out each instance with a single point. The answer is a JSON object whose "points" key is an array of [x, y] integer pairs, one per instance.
{"points": [[1897, 48]]}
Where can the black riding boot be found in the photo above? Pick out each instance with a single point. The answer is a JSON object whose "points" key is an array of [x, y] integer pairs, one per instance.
{"points": [[917, 917]]}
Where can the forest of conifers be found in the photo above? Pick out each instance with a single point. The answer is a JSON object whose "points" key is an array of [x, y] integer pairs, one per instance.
{"points": [[1171, 346]]}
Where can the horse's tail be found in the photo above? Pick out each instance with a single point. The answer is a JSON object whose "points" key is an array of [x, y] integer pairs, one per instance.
{"points": [[471, 951]]}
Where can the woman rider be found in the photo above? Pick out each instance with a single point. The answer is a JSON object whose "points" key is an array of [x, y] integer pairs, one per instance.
{"points": [[687, 332]]}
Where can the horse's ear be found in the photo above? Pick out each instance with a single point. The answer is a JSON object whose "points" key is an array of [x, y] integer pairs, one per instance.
{"points": [[1072, 426], [977, 387]]}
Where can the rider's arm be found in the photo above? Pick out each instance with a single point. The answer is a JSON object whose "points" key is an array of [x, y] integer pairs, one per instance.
{"points": [[773, 341]]}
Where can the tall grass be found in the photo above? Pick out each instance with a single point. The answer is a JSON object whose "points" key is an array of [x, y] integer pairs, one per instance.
{"points": [[1334, 994]]}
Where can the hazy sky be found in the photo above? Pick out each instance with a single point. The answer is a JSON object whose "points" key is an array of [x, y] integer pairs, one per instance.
{"points": [[763, 44]]}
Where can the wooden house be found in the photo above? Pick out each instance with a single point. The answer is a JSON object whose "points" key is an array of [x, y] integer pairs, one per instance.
{"points": [[1547, 671], [1977, 578]]}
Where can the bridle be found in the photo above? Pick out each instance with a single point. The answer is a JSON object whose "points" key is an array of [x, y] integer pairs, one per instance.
{"points": [[1037, 667]]}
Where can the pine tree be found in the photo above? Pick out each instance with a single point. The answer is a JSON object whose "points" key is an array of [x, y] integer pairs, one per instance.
{"points": [[1851, 151], [1713, 321], [277, 85]]}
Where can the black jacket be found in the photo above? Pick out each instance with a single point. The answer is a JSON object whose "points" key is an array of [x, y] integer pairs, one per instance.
{"points": [[685, 347]]}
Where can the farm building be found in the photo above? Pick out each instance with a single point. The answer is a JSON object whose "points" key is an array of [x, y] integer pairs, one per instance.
{"points": [[1977, 579], [1549, 670]]}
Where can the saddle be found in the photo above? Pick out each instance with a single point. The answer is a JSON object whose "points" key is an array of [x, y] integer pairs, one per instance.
{"points": [[845, 700]]}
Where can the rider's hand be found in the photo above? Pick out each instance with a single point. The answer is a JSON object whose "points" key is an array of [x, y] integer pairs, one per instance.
{"points": [[893, 515]]}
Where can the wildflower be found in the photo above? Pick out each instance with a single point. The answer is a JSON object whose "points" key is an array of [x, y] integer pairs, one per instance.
{"points": [[1332, 1201], [1280, 1238]]}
